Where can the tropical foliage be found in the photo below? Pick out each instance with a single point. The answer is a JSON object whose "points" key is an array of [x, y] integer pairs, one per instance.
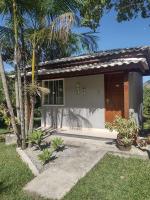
{"points": [[45, 156], [146, 102], [36, 138], [57, 143]]}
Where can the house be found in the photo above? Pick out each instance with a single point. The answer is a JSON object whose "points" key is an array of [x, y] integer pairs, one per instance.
{"points": [[87, 91]]}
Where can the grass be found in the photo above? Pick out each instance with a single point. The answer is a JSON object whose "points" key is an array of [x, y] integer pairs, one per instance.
{"points": [[3, 130], [113, 178], [14, 174]]}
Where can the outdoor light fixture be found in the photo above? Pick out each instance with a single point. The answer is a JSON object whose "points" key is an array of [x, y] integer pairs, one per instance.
{"points": [[77, 88], [84, 91]]}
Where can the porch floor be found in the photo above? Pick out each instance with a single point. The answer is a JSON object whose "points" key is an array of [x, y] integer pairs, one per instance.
{"points": [[87, 134]]}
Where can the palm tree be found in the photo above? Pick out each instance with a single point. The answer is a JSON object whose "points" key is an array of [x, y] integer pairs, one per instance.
{"points": [[9, 104], [58, 29], [10, 8]]}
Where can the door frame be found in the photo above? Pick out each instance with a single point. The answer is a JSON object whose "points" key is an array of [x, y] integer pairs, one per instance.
{"points": [[125, 91]]}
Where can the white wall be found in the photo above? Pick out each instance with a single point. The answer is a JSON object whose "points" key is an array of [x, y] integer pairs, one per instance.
{"points": [[135, 94], [84, 105]]}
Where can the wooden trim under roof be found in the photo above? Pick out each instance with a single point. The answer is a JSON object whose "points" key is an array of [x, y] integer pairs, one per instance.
{"points": [[126, 95], [123, 69]]}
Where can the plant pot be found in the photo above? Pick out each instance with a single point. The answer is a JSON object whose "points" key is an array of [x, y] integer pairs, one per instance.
{"points": [[124, 147]]}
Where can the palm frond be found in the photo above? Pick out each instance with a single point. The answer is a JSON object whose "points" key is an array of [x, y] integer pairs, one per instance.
{"points": [[59, 29], [36, 89]]}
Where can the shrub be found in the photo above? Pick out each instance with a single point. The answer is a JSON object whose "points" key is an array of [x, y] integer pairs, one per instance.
{"points": [[57, 143], [45, 156], [36, 138], [126, 128]]}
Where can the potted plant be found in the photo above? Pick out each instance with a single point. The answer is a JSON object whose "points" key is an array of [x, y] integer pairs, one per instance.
{"points": [[127, 130]]}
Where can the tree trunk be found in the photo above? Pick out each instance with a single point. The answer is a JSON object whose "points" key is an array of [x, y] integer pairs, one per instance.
{"points": [[26, 105], [8, 101], [32, 98], [32, 102], [17, 59], [21, 109], [17, 99]]}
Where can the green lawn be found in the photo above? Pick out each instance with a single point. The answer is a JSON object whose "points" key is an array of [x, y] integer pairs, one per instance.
{"points": [[113, 178], [14, 174]]}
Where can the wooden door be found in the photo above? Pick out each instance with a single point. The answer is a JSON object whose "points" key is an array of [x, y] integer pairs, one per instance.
{"points": [[114, 96]]}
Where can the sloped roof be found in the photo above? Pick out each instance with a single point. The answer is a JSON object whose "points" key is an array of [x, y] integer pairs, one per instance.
{"points": [[97, 54], [111, 59], [112, 63]]}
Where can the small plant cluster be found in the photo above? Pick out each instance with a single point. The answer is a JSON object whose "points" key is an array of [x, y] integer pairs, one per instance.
{"points": [[57, 144], [36, 138], [127, 130], [45, 156]]}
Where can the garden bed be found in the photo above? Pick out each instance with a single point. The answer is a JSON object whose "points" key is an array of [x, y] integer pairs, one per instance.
{"points": [[60, 156]]}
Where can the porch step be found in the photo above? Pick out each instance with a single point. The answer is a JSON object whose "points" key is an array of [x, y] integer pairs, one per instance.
{"points": [[83, 136]]}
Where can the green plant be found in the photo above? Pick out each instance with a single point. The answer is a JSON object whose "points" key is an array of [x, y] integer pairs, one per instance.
{"points": [[127, 131], [126, 128], [36, 138], [57, 143], [45, 156]]}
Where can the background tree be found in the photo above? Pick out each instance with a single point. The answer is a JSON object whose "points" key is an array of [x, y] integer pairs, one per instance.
{"points": [[127, 10], [146, 102]]}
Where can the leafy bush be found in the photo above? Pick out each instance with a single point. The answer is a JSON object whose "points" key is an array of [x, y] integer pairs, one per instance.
{"points": [[126, 128], [146, 102], [45, 156], [57, 143], [36, 138]]}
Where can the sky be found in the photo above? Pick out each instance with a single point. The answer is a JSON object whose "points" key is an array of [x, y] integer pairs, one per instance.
{"points": [[126, 34], [112, 34]]}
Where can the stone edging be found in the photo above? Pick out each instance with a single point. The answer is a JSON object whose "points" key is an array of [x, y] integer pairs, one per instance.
{"points": [[25, 158]]}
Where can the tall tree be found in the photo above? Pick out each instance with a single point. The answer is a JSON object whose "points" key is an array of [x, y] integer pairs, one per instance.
{"points": [[127, 10], [8, 101]]}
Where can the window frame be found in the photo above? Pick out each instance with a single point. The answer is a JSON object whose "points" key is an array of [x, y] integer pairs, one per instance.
{"points": [[54, 105]]}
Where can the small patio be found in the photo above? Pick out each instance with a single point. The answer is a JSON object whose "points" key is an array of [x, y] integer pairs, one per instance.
{"points": [[96, 134]]}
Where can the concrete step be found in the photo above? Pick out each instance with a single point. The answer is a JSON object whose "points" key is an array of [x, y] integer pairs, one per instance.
{"points": [[83, 136]]}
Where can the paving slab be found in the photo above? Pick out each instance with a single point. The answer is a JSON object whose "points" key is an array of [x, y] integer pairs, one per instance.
{"points": [[65, 172]]}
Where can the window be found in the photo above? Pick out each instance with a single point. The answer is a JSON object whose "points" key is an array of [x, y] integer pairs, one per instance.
{"points": [[56, 92]]}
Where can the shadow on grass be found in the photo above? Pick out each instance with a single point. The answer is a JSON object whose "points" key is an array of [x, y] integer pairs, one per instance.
{"points": [[3, 188], [146, 150]]}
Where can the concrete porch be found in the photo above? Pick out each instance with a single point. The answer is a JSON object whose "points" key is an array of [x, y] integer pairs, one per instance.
{"points": [[97, 134]]}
